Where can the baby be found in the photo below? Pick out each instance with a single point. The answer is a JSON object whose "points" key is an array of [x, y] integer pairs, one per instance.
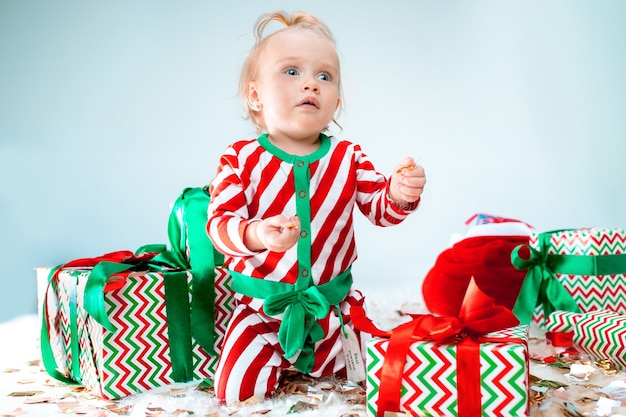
{"points": [[281, 211]]}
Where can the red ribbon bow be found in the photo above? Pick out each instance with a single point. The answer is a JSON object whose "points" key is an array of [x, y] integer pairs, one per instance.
{"points": [[117, 280], [478, 315]]}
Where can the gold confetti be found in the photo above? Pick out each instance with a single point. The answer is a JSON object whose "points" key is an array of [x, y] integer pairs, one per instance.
{"points": [[178, 392], [121, 410], [27, 381], [250, 401], [608, 368], [182, 411], [24, 393]]}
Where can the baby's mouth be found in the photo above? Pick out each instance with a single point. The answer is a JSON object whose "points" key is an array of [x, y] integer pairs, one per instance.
{"points": [[309, 102]]}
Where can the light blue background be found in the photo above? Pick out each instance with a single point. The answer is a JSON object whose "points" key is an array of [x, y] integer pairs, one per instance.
{"points": [[109, 109]]}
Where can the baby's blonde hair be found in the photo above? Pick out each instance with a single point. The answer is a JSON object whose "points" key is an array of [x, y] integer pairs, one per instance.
{"points": [[250, 66]]}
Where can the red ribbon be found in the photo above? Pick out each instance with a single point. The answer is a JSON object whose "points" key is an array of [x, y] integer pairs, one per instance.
{"points": [[560, 339], [478, 315], [119, 256], [122, 256]]}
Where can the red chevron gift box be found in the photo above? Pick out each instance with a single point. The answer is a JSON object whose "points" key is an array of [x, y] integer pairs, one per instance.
{"points": [[131, 333], [600, 334], [448, 366], [578, 270]]}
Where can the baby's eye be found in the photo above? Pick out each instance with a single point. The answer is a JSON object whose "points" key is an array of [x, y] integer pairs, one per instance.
{"points": [[324, 76], [291, 71]]}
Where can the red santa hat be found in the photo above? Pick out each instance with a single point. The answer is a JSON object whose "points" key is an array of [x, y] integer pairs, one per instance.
{"points": [[483, 253]]}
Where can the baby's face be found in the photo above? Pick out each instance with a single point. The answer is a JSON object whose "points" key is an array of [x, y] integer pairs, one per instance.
{"points": [[297, 84]]}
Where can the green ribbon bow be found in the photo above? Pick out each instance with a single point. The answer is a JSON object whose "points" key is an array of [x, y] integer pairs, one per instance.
{"points": [[541, 285], [298, 330], [299, 307]]}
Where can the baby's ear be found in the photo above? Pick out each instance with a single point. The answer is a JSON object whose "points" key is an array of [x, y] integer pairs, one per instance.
{"points": [[253, 98]]}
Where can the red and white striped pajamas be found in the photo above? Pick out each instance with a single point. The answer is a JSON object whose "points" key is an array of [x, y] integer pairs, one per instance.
{"points": [[256, 180]]}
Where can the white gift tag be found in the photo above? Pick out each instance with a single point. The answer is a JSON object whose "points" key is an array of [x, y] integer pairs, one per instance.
{"points": [[355, 367]]}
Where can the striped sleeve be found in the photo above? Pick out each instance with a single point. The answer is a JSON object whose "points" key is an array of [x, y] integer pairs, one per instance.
{"points": [[228, 215], [373, 197]]}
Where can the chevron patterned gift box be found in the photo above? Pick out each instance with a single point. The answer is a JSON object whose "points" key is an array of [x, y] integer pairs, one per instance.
{"points": [[577, 270], [150, 344], [430, 383], [600, 334]]}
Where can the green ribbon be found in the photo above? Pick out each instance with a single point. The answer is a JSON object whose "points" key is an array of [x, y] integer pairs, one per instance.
{"points": [[176, 302], [47, 356], [298, 330], [100, 274], [178, 325], [177, 307], [94, 305], [187, 229], [94, 290], [298, 307], [541, 286]]}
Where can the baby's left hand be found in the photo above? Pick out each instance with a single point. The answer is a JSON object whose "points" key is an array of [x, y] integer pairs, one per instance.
{"points": [[407, 182]]}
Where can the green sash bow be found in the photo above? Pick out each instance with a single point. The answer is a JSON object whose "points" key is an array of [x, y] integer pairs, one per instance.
{"points": [[542, 287], [299, 330]]}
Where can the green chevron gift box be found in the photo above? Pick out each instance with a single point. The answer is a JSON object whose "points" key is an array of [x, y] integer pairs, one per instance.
{"points": [[127, 322], [434, 383], [600, 334], [577, 270], [473, 365], [145, 341]]}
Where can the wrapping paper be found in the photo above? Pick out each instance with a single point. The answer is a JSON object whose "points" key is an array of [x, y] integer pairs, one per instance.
{"points": [[600, 334], [578, 270], [472, 365], [136, 355], [430, 379]]}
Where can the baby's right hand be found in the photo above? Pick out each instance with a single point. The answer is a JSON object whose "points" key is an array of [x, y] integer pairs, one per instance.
{"points": [[278, 233]]}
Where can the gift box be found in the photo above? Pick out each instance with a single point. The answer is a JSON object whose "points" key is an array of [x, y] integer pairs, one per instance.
{"points": [[148, 341], [578, 270], [127, 322], [599, 334], [430, 383], [449, 366]]}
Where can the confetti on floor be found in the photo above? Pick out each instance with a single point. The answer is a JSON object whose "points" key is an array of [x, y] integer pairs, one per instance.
{"points": [[563, 383]]}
